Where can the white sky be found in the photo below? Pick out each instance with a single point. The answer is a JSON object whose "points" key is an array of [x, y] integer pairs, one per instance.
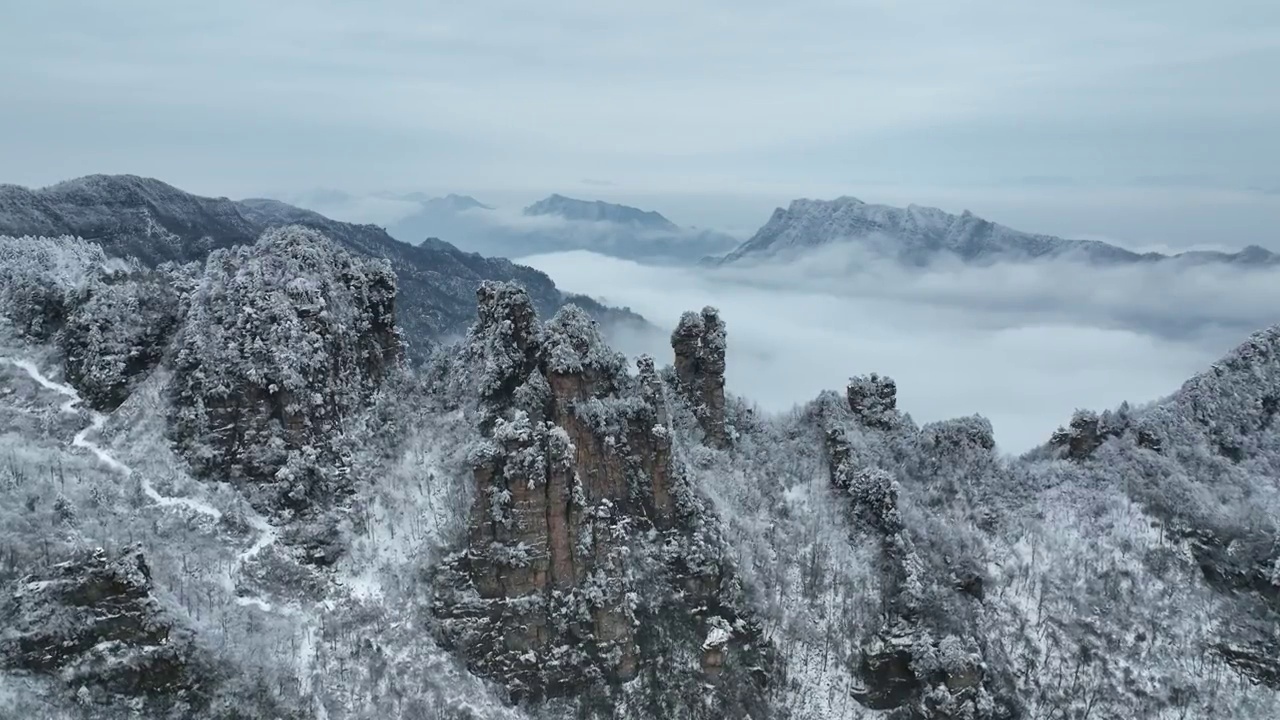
{"points": [[960, 104], [1153, 123]]}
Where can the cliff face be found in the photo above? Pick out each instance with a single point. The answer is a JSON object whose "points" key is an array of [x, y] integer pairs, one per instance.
{"points": [[582, 522], [699, 345], [640, 545]]}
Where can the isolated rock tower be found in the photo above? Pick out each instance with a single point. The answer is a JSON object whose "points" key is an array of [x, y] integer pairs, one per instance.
{"points": [[699, 345]]}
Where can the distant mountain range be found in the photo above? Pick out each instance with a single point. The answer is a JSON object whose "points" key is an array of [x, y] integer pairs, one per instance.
{"points": [[156, 222], [558, 224], [597, 211], [914, 235], [918, 235]]}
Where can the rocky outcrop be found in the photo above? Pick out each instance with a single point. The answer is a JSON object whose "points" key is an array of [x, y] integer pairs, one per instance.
{"points": [[117, 334], [582, 526], [1087, 432], [1257, 661], [699, 345], [94, 622], [873, 400], [112, 320], [958, 436], [284, 340], [576, 460]]}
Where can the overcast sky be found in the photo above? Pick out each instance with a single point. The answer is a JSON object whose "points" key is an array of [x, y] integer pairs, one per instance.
{"points": [[713, 111]]}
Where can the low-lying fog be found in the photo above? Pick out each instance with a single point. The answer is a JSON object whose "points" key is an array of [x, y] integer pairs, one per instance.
{"points": [[1024, 345]]}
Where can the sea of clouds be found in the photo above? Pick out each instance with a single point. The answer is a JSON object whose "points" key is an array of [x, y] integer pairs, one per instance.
{"points": [[1024, 344]]}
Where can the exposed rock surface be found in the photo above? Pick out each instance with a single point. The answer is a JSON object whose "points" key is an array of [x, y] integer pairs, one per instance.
{"points": [[923, 575], [581, 515], [874, 399], [917, 663], [1086, 433], [112, 320], [699, 345], [117, 333]]}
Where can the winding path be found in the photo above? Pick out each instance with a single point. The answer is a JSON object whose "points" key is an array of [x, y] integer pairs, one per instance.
{"points": [[266, 533]]}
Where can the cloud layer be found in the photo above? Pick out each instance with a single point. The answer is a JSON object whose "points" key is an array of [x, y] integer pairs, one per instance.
{"points": [[1024, 345]]}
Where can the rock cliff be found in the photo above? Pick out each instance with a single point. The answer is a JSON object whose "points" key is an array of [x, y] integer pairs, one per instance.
{"points": [[585, 536], [699, 345]]}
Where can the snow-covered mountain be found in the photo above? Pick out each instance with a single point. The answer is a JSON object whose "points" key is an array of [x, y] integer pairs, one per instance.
{"points": [[919, 235], [557, 224], [152, 221], [224, 494]]}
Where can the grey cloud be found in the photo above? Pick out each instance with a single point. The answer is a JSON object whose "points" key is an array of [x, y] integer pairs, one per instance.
{"points": [[668, 91]]}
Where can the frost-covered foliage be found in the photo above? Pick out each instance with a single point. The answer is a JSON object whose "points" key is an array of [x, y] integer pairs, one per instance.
{"points": [[1203, 463], [502, 353], [111, 319], [273, 637], [1133, 577], [523, 529], [874, 399], [593, 574], [117, 334], [41, 278], [699, 344], [284, 340], [94, 621], [573, 344], [148, 220]]}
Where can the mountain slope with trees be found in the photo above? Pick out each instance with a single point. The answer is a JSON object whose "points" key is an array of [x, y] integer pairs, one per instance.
{"points": [[156, 223], [257, 509]]}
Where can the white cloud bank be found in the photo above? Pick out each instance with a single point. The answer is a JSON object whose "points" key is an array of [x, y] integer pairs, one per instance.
{"points": [[1023, 345]]}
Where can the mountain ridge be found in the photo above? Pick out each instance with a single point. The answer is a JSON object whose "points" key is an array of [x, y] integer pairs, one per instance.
{"points": [[522, 528], [131, 215], [557, 224], [599, 210], [919, 234]]}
